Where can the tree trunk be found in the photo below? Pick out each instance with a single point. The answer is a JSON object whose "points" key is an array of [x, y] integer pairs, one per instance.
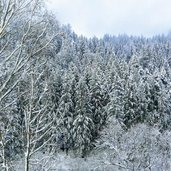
{"points": [[26, 162], [4, 160], [27, 154]]}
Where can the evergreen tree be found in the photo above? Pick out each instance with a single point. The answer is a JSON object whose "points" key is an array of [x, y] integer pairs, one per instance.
{"points": [[65, 112], [83, 124]]}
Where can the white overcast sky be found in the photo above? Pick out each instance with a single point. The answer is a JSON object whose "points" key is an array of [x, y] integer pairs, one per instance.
{"points": [[98, 17]]}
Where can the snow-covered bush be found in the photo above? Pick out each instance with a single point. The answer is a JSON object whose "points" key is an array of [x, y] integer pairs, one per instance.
{"points": [[140, 148]]}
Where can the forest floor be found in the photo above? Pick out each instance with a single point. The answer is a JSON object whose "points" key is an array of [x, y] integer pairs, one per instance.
{"points": [[62, 162]]}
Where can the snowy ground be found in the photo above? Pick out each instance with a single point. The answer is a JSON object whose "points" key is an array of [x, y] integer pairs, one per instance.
{"points": [[61, 162], [142, 148]]}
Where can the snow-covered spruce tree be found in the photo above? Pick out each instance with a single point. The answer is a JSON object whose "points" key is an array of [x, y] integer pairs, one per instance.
{"points": [[164, 103], [83, 124], [74, 79], [116, 80], [81, 47], [98, 97], [115, 107], [54, 95], [159, 97], [55, 88], [67, 52], [145, 58], [127, 98], [124, 96], [132, 112], [65, 112]]}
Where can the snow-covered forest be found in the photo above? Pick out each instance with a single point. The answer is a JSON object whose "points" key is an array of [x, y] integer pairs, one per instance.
{"points": [[68, 102]]}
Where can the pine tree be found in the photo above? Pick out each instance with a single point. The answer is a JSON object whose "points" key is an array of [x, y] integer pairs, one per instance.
{"points": [[83, 124], [98, 99], [65, 112]]}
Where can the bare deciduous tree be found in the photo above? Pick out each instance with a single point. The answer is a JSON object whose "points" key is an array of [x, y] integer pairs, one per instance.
{"points": [[24, 39]]}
